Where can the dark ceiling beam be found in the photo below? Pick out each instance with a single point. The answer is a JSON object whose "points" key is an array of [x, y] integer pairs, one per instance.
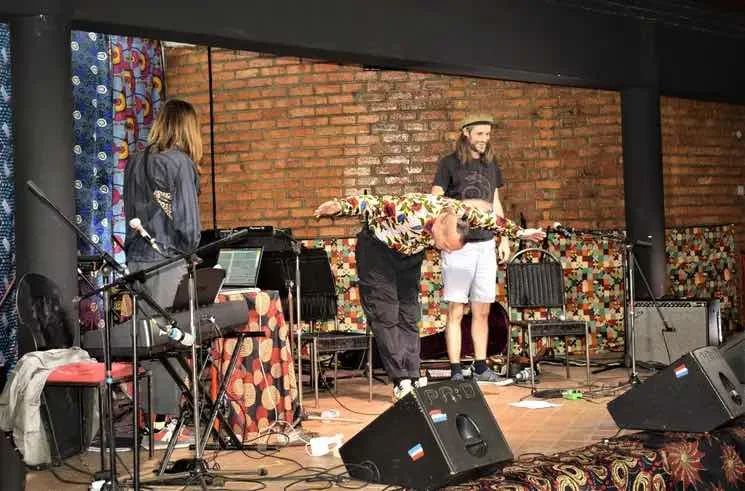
{"points": [[513, 39], [587, 43]]}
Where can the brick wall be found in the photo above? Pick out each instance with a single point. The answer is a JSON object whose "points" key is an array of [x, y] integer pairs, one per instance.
{"points": [[291, 133], [703, 163]]}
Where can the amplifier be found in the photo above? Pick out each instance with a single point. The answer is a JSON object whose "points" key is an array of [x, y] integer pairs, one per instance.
{"points": [[696, 323]]}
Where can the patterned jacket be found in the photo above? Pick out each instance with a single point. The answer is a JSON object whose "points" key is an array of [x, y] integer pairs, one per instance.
{"points": [[404, 223]]}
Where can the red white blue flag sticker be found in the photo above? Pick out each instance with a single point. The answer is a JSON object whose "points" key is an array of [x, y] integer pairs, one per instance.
{"points": [[681, 371], [416, 452], [437, 416]]}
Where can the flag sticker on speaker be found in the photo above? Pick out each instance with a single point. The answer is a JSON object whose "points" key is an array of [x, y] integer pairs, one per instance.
{"points": [[416, 452], [437, 416], [681, 371]]}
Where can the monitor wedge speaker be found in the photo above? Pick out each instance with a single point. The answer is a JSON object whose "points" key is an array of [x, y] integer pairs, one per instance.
{"points": [[437, 435]]}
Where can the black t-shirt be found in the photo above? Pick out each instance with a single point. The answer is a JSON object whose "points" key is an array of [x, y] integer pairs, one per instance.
{"points": [[473, 180]]}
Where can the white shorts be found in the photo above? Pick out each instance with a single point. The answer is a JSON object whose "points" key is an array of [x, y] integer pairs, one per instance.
{"points": [[470, 274]]}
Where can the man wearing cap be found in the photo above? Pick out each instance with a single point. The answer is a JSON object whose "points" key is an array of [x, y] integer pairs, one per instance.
{"points": [[472, 175]]}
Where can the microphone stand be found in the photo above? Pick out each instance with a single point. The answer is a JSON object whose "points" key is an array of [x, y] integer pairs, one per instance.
{"points": [[296, 249], [630, 266], [129, 281], [114, 266]]}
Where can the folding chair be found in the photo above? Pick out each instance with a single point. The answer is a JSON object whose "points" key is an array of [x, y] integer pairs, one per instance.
{"points": [[535, 280], [39, 306], [318, 304]]}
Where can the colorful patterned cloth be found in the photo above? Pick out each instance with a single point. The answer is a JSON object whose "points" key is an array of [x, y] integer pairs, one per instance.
{"points": [[701, 262], [92, 155], [93, 137], [8, 348], [116, 85], [404, 223], [644, 461], [137, 81], [263, 386]]}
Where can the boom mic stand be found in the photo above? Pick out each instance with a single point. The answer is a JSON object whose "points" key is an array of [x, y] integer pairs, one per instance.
{"points": [[295, 320], [197, 467], [630, 267], [128, 282], [633, 264]]}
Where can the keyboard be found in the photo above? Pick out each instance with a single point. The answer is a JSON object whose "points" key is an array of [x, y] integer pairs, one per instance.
{"points": [[213, 321]]}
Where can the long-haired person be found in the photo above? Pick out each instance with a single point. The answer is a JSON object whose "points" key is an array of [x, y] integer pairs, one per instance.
{"points": [[161, 185], [472, 175]]}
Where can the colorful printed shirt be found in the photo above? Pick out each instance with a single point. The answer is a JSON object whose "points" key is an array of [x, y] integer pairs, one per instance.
{"points": [[404, 223]]}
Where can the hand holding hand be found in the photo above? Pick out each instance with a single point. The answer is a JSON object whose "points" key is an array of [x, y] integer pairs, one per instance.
{"points": [[532, 234], [503, 249], [328, 208]]}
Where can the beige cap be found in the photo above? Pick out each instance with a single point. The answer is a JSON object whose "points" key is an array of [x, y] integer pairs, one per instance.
{"points": [[476, 118]]}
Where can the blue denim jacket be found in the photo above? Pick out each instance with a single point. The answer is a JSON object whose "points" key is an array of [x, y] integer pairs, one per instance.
{"points": [[162, 193]]}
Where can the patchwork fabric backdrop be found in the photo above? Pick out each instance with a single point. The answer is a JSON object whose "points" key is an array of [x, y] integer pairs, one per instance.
{"points": [[117, 87], [7, 207], [701, 264]]}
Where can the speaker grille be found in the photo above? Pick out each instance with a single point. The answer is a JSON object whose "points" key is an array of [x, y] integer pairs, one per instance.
{"points": [[696, 323]]}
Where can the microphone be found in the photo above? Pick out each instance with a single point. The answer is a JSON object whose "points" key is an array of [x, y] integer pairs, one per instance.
{"points": [[562, 230], [136, 224], [180, 336]]}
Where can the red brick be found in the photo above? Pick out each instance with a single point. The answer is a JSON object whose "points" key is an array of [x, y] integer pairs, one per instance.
{"points": [[315, 129]]}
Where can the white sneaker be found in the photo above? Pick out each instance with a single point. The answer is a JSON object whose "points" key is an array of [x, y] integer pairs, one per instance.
{"points": [[401, 390]]}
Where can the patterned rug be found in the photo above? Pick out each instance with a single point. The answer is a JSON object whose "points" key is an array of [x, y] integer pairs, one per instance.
{"points": [[641, 461]]}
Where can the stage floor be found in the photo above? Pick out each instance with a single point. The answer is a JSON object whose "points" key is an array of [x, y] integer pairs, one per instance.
{"points": [[574, 424]]}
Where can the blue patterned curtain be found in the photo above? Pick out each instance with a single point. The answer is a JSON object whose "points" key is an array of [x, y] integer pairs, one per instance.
{"points": [[116, 89], [93, 136], [92, 155], [8, 348]]}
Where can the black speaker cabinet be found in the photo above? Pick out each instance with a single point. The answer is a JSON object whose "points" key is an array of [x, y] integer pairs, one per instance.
{"points": [[733, 352], [436, 436], [12, 469], [697, 323], [697, 393]]}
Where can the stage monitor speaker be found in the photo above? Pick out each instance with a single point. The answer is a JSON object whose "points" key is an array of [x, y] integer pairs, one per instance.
{"points": [[733, 352], [12, 469], [437, 435], [696, 323], [697, 393]]}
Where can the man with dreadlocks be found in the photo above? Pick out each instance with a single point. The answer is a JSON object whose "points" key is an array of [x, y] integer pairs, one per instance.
{"points": [[472, 175]]}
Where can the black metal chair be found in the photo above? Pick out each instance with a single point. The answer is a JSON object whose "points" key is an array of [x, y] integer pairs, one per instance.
{"points": [[318, 303], [535, 279], [40, 312]]}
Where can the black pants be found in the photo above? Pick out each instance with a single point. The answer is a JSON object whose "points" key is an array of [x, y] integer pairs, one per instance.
{"points": [[389, 291]]}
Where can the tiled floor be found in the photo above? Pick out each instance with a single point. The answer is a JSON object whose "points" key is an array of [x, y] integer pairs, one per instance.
{"points": [[575, 423]]}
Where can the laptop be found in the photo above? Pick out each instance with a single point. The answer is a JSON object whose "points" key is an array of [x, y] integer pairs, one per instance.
{"points": [[209, 281], [241, 266]]}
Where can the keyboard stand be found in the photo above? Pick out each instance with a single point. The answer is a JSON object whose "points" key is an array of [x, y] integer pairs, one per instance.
{"points": [[232, 442]]}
